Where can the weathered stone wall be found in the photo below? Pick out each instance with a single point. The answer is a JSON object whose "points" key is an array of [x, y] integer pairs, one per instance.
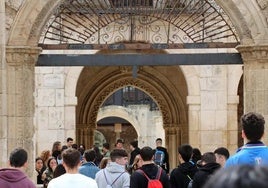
{"points": [[51, 108]]}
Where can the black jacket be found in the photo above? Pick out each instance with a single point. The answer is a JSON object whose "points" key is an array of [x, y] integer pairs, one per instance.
{"points": [[179, 176], [204, 173], [133, 154], [138, 180], [165, 165]]}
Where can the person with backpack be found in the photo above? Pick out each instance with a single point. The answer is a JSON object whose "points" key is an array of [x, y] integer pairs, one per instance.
{"points": [[184, 173], [149, 175], [114, 175], [161, 156]]}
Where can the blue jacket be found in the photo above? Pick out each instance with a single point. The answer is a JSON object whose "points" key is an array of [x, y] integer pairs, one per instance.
{"points": [[89, 169], [251, 153]]}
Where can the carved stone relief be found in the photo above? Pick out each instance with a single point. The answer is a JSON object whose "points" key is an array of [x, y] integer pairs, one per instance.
{"points": [[132, 82], [263, 4]]}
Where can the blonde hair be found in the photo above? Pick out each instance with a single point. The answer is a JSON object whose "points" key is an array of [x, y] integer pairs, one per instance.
{"points": [[104, 162]]}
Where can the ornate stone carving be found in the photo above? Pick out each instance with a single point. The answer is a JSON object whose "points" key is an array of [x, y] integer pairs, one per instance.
{"points": [[263, 4], [252, 53], [134, 82], [17, 56], [14, 4]]}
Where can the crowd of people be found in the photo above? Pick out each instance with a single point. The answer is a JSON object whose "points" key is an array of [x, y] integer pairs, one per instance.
{"points": [[74, 166]]}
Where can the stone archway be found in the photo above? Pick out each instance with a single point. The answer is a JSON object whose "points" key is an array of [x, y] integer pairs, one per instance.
{"points": [[26, 31], [171, 102]]}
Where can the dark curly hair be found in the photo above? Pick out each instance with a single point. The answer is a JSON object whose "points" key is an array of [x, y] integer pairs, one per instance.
{"points": [[253, 126]]}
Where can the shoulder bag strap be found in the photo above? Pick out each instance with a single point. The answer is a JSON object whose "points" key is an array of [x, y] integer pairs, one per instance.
{"points": [[105, 177], [143, 173], [117, 178], [159, 172]]}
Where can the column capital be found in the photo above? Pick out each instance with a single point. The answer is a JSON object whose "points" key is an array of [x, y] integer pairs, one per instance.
{"points": [[171, 128], [20, 55], [254, 52]]}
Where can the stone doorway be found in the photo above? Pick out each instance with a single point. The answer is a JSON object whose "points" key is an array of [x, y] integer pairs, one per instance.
{"points": [[96, 84]]}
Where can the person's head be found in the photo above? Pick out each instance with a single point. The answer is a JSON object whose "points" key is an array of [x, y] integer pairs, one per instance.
{"points": [[158, 142], [119, 156], [185, 153], [133, 145], [56, 146], [52, 164], [246, 176], [39, 163], [18, 158], [59, 170], [82, 146], [221, 154], [104, 162], [147, 153], [105, 147], [252, 126], [208, 157], [89, 155], [75, 146], [71, 159], [119, 144], [70, 142], [196, 155], [45, 155]]}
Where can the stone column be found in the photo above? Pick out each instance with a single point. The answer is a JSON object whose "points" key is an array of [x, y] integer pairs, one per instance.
{"points": [[255, 80], [85, 134], [20, 100], [173, 140], [3, 89], [117, 130]]}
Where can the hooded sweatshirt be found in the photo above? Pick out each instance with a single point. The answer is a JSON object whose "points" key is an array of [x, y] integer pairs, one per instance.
{"points": [[204, 173], [114, 174], [14, 178], [182, 175]]}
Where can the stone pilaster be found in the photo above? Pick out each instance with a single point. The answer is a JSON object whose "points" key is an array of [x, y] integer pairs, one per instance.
{"points": [[255, 79], [230, 139], [173, 140], [85, 134], [20, 100], [3, 92]]}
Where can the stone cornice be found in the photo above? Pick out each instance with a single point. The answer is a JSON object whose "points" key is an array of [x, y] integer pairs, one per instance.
{"points": [[22, 55], [254, 52]]}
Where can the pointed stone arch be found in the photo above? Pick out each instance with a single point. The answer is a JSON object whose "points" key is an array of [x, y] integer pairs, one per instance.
{"points": [[171, 108], [150, 80]]}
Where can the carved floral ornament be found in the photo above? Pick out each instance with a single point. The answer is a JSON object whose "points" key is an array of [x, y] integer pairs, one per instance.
{"points": [[134, 82]]}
